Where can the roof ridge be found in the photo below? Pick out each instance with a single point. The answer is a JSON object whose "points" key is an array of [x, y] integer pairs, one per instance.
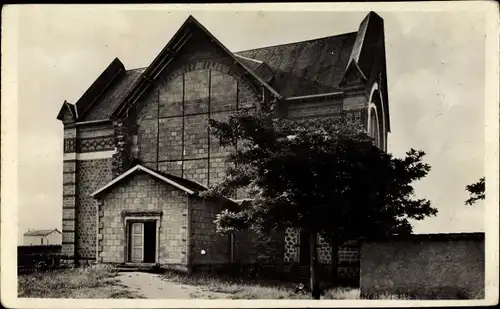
{"points": [[254, 60], [40, 231], [297, 42], [136, 69]]}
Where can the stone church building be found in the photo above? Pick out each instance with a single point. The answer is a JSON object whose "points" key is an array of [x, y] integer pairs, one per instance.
{"points": [[138, 148]]}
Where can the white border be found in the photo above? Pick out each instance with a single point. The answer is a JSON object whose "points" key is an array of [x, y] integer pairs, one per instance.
{"points": [[9, 162]]}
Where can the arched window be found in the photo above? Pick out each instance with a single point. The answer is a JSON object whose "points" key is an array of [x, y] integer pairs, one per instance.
{"points": [[373, 128], [376, 120]]}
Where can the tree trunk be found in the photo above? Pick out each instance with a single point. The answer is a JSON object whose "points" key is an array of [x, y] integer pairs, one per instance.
{"points": [[313, 254]]}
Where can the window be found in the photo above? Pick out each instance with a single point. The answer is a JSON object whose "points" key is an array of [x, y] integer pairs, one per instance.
{"points": [[374, 131], [41, 241], [231, 247]]}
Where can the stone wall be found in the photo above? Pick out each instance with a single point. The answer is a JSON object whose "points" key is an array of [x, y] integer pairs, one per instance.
{"points": [[173, 117], [424, 266], [92, 175], [141, 195], [204, 235], [86, 167]]}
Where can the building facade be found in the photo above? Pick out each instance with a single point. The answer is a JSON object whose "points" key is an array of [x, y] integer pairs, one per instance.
{"points": [[42, 237], [149, 128]]}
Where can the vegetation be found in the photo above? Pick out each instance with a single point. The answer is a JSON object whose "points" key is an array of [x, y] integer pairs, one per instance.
{"points": [[265, 289], [476, 191], [321, 176], [252, 288], [85, 282]]}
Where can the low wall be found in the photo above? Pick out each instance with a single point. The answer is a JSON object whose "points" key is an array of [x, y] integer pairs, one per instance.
{"points": [[39, 257], [431, 266]]}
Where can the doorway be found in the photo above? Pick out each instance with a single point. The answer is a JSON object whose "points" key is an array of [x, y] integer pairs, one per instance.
{"points": [[142, 242], [304, 250]]}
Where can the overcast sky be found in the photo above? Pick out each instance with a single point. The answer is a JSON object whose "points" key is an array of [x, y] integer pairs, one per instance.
{"points": [[435, 67]]}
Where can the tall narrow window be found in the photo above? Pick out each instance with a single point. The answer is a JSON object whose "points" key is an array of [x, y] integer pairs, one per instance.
{"points": [[231, 247], [374, 127]]}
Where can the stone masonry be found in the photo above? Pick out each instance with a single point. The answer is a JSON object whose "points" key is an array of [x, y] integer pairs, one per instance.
{"points": [[81, 176], [204, 236], [144, 196], [166, 128]]}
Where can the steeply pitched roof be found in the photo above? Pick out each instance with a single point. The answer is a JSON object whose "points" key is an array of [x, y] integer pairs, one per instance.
{"points": [[99, 87], [166, 56], [308, 67], [113, 96], [41, 232], [289, 70], [67, 108], [185, 185]]}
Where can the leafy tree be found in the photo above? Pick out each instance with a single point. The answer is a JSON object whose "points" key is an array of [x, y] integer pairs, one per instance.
{"points": [[476, 191], [322, 176]]}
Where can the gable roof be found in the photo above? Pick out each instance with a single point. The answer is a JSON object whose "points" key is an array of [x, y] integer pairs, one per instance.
{"points": [[167, 55], [100, 85], [41, 232], [110, 99], [188, 186], [67, 107], [307, 67]]}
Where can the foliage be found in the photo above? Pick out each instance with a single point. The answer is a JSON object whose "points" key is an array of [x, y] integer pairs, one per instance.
{"points": [[323, 175], [476, 191]]}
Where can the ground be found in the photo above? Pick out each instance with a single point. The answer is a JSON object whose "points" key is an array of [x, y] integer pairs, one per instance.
{"points": [[103, 281], [154, 286]]}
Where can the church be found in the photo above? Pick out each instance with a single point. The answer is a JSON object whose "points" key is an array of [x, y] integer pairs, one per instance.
{"points": [[138, 148]]}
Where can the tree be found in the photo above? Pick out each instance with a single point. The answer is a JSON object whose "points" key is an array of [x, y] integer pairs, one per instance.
{"points": [[476, 191], [322, 176]]}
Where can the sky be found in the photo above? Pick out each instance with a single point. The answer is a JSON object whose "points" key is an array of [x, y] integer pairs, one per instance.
{"points": [[436, 88]]}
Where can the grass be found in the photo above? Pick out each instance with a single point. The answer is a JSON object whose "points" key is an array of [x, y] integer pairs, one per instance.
{"points": [[257, 288], [273, 289], [85, 282], [253, 288]]}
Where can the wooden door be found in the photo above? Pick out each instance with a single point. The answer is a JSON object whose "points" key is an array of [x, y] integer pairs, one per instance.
{"points": [[137, 242]]}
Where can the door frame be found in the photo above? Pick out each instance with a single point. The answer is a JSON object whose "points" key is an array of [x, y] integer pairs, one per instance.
{"points": [[141, 219]]}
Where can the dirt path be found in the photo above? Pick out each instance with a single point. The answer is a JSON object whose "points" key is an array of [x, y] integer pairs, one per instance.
{"points": [[152, 286]]}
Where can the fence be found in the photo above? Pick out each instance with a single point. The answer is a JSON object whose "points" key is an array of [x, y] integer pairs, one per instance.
{"points": [[35, 258]]}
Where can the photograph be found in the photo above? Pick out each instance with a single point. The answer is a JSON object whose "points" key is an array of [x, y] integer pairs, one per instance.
{"points": [[161, 154]]}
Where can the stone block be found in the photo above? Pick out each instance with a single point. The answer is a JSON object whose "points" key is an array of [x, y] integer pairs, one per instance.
{"points": [[68, 237], [68, 225], [170, 140], [196, 136], [171, 97], [68, 214], [223, 92], [196, 86], [68, 250], [69, 178]]}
